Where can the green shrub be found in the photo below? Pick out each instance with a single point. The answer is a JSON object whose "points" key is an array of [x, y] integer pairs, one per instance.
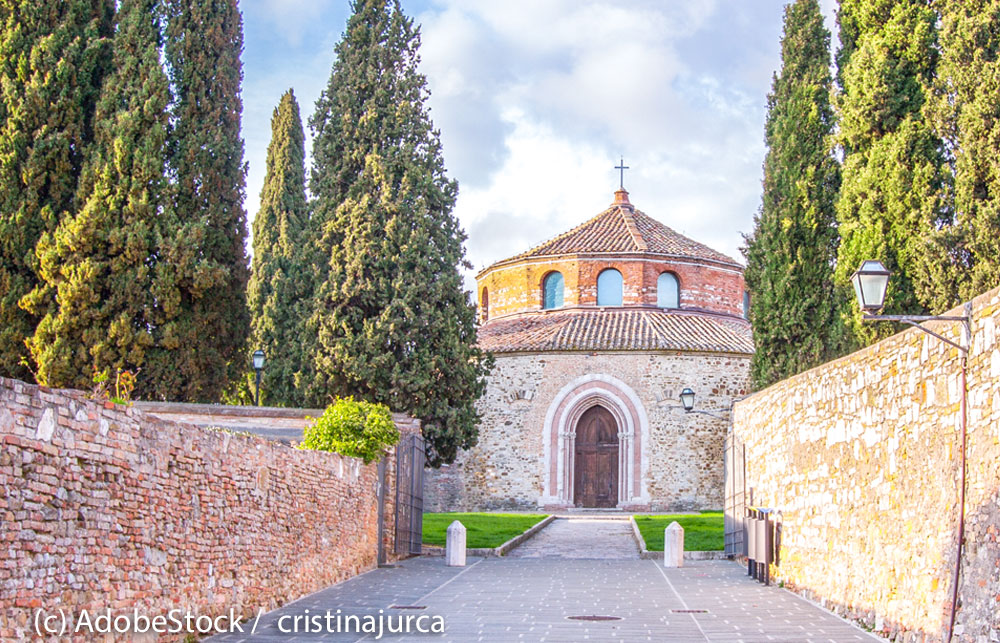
{"points": [[349, 427]]}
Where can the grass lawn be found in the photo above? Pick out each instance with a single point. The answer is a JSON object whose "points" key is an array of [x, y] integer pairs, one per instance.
{"points": [[481, 529], [702, 532]]}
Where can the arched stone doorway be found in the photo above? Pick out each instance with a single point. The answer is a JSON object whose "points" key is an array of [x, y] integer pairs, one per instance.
{"points": [[595, 467], [630, 429]]}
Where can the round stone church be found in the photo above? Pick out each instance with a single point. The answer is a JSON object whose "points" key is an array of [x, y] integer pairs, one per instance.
{"points": [[595, 334]]}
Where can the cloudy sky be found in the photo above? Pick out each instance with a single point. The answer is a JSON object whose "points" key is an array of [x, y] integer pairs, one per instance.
{"points": [[536, 101]]}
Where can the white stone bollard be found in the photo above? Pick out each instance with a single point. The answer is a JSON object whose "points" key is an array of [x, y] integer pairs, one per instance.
{"points": [[454, 553], [673, 545]]}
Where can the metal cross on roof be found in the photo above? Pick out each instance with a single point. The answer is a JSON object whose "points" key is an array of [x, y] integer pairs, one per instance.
{"points": [[622, 167]]}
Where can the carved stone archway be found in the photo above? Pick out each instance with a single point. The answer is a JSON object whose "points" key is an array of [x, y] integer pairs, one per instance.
{"points": [[559, 434]]}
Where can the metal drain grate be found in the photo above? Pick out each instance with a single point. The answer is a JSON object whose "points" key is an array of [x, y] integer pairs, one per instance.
{"points": [[689, 611], [594, 617], [408, 607]]}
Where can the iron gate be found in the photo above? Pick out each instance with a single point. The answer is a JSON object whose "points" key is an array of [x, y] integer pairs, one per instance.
{"points": [[410, 458], [734, 516]]}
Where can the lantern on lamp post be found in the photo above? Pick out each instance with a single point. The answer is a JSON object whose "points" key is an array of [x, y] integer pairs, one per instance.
{"points": [[258, 365], [870, 283]]}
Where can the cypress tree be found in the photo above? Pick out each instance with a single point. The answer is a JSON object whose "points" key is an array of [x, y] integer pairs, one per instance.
{"points": [[967, 114], [280, 289], [890, 206], [393, 322], [53, 57], [791, 253], [200, 282], [98, 259]]}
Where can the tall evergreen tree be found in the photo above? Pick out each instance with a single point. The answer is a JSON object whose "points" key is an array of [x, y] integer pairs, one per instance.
{"points": [[394, 324], [890, 204], [201, 279], [791, 253], [280, 290], [97, 261], [967, 114], [53, 57]]}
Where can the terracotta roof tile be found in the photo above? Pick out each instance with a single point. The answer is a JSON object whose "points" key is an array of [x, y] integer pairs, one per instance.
{"points": [[616, 329], [623, 229]]}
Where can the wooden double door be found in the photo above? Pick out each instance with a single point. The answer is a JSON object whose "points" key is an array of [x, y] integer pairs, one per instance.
{"points": [[595, 468]]}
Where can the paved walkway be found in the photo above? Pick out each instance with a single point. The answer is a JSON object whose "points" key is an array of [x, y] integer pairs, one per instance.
{"points": [[578, 537], [535, 597]]}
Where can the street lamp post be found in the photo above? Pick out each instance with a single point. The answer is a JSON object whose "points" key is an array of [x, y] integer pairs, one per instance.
{"points": [[258, 365], [870, 282]]}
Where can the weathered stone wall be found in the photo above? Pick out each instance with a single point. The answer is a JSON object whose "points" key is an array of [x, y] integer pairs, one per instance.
{"points": [[861, 456], [517, 287], [276, 423], [107, 507], [682, 463]]}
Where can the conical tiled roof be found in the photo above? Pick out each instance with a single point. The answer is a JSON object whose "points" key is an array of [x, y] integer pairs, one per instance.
{"points": [[621, 229], [616, 330]]}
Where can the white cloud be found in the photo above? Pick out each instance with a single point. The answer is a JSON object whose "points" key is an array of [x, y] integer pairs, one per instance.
{"points": [[535, 101]]}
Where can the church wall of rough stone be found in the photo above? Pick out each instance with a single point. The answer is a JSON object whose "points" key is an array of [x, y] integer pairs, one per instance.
{"points": [[682, 467]]}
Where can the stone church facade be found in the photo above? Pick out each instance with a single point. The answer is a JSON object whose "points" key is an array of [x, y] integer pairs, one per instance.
{"points": [[595, 334]]}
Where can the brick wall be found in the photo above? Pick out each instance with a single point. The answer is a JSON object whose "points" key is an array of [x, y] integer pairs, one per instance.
{"points": [[517, 287], [861, 456], [683, 456], [106, 507]]}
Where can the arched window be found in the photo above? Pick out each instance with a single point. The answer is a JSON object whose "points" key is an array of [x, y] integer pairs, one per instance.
{"points": [[552, 290], [746, 304], [484, 305], [668, 291], [609, 288]]}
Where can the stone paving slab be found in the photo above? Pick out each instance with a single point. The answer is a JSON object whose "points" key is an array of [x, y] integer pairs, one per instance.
{"points": [[576, 567], [505, 599], [580, 537]]}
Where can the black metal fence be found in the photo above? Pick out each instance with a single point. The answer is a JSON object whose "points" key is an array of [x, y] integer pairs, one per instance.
{"points": [[734, 516], [410, 459]]}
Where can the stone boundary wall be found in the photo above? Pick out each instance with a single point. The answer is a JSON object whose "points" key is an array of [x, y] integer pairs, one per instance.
{"points": [[106, 507], [861, 456], [276, 423]]}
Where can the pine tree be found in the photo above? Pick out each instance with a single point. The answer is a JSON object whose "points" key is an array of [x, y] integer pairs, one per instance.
{"points": [[53, 57], [967, 114], [200, 282], [393, 322], [890, 206], [97, 261], [791, 253], [280, 290]]}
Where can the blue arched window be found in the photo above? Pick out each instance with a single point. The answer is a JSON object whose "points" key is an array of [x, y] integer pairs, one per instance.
{"points": [[668, 291], [609, 288], [746, 304], [552, 290]]}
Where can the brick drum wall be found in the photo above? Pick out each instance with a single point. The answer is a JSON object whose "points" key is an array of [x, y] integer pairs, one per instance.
{"points": [[861, 456], [517, 287], [105, 507], [507, 467]]}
